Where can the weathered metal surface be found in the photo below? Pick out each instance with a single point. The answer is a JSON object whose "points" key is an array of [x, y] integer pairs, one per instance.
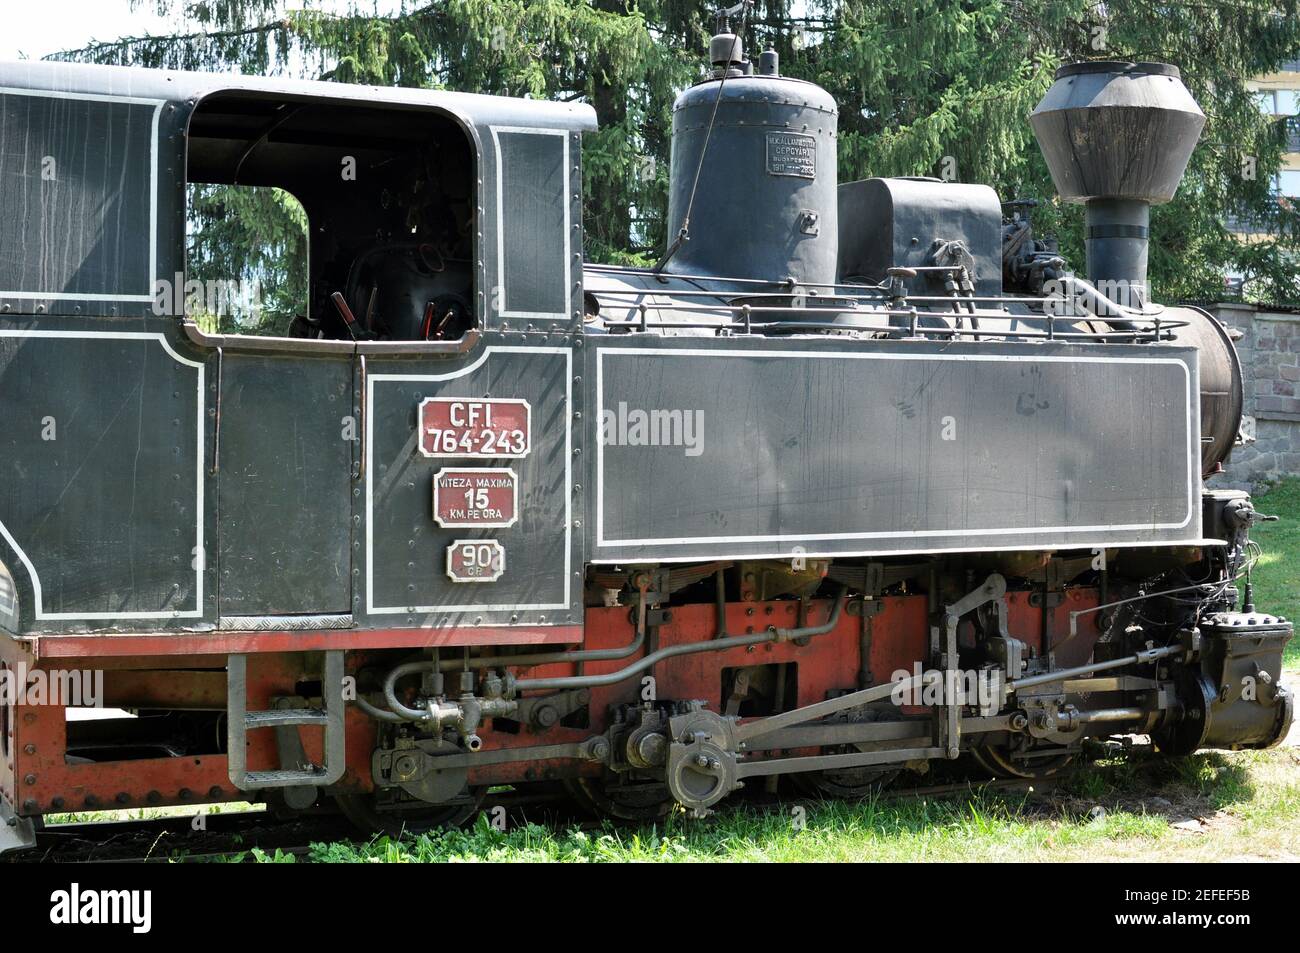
{"points": [[886, 223], [1117, 130], [81, 168], [1117, 136], [173, 643], [132, 191], [41, 779], [829, 447], [1222, 389], [770, 160], [106, 505], [137, 545], [284, 475], [829, 489], [817, 670], [285, 623], [16, 833], [330, 717], [535, 198], [402, 562]]}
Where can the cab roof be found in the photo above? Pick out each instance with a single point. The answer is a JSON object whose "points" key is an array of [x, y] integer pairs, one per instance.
{"points": [[187, 87]]}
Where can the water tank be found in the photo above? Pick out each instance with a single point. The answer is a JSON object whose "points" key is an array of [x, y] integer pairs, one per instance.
{"points": [[765, 203]]}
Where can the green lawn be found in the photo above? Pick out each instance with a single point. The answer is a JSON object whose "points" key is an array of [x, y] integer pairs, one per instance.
{"points": [[1277, 575], [1214, 806]]}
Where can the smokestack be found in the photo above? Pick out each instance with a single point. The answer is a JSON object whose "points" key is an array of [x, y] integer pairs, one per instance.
{"points": [[1117, 138]]}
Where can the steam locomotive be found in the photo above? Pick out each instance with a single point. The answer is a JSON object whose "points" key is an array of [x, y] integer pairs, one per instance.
{"points": [[857, 479]]}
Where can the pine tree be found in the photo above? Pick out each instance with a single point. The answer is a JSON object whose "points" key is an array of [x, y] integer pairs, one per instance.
{"points": [[928, 87]]}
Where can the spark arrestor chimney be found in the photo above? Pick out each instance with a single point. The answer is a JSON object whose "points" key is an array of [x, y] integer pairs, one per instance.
{"points": [[1117, 137]]}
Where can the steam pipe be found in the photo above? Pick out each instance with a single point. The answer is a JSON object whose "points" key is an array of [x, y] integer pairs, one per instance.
{"points": [[773, 634], [1096, 303], [379, 714], [444, 710], [401, 712], [547, 658], [1061, 674], [390, 690]]}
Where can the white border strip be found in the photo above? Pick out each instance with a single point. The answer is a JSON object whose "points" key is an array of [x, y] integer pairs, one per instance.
{"points": [[152, 277], [1193, 432], [785, 555], [505, 311], [371, 608], [201, 560]]}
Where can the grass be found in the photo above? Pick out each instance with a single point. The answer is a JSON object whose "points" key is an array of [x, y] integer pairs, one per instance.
{"points": [[1276, 579], [1214, 805], [152, 813]]}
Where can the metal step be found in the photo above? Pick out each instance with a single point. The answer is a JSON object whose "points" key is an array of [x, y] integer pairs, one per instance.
{"points": [[16, 833], [240, 721]]}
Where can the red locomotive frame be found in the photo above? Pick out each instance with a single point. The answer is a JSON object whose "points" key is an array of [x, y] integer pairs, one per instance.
{"points": [[178, 671]]}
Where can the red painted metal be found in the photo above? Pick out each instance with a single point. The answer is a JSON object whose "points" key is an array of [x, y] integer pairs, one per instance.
{"points": [[482, 429], [241, 643], [36, 776], [187, 671], [468, 497]]}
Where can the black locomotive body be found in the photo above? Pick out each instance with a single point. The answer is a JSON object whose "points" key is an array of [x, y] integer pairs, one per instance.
{"points": [[857, 478]]}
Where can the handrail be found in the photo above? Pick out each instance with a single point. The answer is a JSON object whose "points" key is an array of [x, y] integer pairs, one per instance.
{"points": [[249, 343], [815, 300], [1160, 329]]}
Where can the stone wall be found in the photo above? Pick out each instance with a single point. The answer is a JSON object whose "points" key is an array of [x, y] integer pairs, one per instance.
{"points": [[1270, 360]]}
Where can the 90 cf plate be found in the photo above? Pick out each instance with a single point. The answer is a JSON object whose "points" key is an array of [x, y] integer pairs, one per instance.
{"points": [[475, 560]]}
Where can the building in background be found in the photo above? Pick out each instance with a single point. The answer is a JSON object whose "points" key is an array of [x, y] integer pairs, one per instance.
{"points": [[1269, 342], [1278, 94]]}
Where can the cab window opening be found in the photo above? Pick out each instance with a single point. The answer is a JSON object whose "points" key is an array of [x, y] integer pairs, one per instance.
{"points": [[329, 220]]}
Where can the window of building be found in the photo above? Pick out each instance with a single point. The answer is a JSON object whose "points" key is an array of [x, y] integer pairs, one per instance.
{"points": [[1278, 102]]}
